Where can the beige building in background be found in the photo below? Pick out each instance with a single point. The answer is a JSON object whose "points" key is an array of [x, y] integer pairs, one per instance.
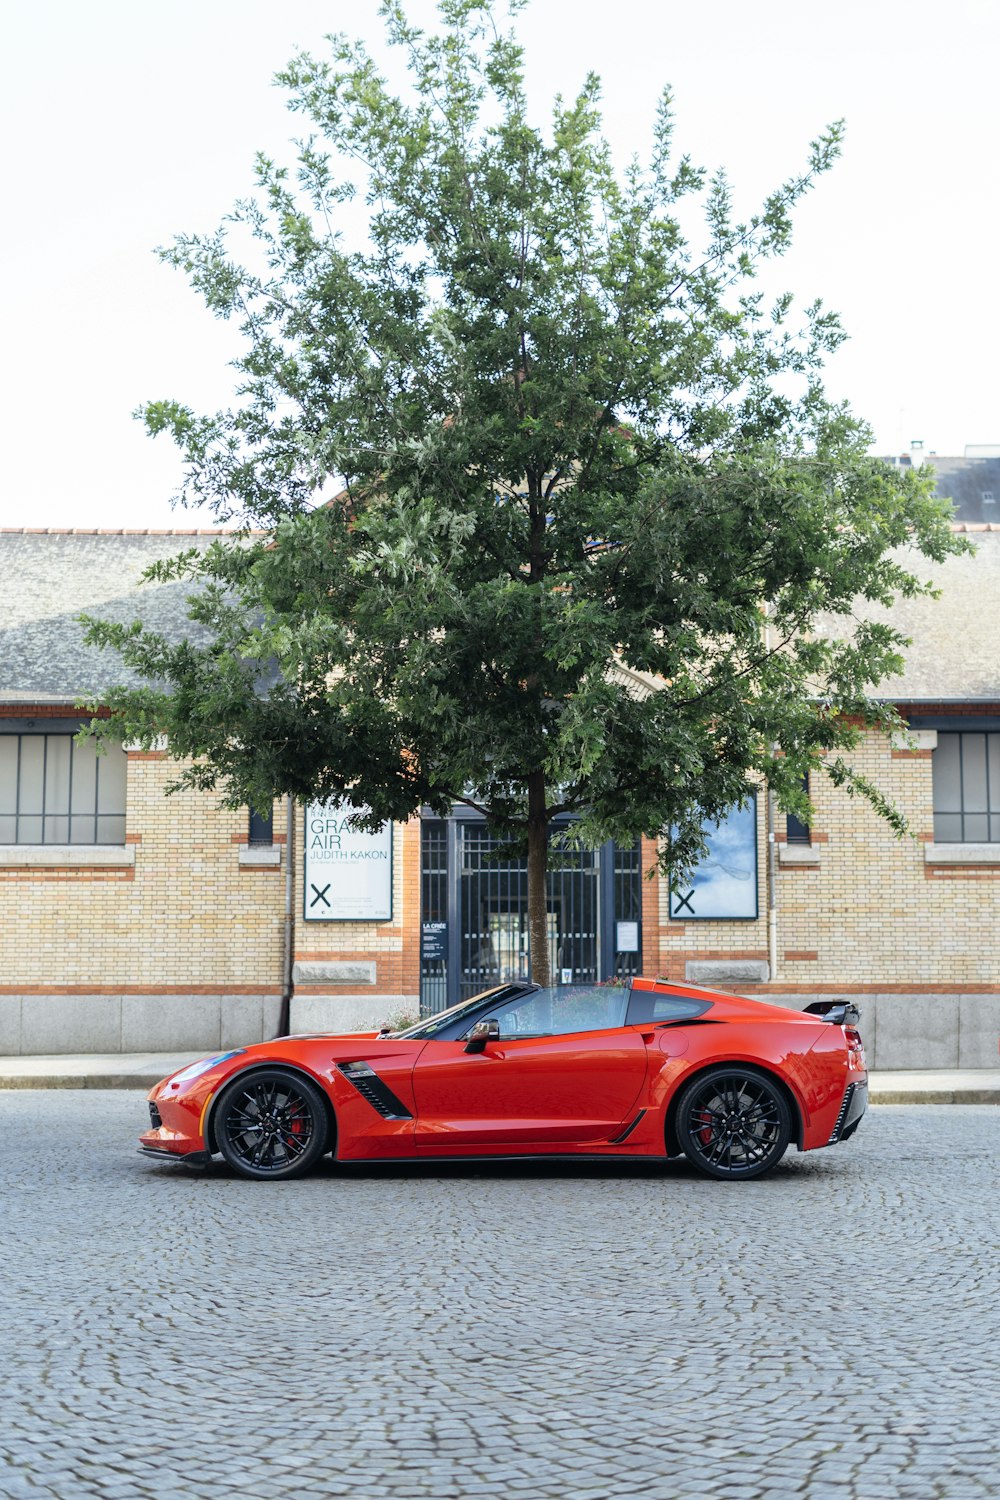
{"points": [[139, 922]]}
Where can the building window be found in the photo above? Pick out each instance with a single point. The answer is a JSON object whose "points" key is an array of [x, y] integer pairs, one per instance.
{"points": [[796, 831], [56, 791], [967, 788], [261, 827]]}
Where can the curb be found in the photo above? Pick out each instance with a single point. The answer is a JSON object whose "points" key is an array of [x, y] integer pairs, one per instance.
{"points": [[935, 1096], [80, 1081]]}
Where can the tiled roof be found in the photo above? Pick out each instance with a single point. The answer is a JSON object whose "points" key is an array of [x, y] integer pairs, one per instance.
{"points": [[955, 650], [971, 484], [50, 577]]}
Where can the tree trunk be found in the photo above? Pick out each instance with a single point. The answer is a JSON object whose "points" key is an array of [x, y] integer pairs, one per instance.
{"points": [[538, 864]]}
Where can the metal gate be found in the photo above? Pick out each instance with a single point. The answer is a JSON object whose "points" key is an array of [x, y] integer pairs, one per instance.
{"points": [[474, 912]]}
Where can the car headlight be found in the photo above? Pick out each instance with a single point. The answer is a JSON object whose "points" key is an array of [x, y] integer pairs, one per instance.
{"points": [[197, 1068]]}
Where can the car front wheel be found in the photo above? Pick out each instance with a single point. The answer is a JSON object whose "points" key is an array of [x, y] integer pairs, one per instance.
{"points": [[733, 1123], [271, 1125]]}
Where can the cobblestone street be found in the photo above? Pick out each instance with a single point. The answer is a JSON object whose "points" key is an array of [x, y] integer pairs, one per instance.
{"points": [[578, 1332]]}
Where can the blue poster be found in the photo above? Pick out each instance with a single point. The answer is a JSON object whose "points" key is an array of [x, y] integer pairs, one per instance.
{"points": [[723, 887]]}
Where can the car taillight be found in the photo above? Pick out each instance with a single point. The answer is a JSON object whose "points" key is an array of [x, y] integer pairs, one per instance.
{"points": [[854, 1041]]}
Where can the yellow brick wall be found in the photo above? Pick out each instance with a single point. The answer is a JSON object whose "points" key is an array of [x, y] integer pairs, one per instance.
{"points": [[187, 916], [873, 913]]}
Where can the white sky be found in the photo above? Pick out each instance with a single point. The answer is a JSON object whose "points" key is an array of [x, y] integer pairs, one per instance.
{"points": [[126, 122]]}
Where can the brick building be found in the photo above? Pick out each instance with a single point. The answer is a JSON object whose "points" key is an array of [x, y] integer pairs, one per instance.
{"points": [[135, 922]]}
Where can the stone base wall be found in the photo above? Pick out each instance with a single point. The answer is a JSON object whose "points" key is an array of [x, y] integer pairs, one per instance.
{"points": [[338, 1013], [899, 1030], [918, 1031], [60, 1024]]}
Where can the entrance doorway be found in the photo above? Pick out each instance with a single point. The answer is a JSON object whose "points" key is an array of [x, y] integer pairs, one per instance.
{"points": [[474, 912]]}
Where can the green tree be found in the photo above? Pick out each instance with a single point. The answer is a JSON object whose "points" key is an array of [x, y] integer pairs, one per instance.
{"points": [[591, 497]]}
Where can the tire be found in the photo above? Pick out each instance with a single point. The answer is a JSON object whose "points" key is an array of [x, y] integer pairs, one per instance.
{"points": [[271, 1124], [733, 1123]]}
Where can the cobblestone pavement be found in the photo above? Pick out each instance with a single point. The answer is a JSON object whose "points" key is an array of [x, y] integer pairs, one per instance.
{"points": [[581, 1332]]}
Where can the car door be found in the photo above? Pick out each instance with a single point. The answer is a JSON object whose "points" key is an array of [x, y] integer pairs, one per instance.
{"points": [[564, 1071]]}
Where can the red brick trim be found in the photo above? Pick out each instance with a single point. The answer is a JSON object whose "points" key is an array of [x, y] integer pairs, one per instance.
{"points": [[649, 908], [122, 531], [346, 955], [147, 754], [948, 706], [77, 872], [959, 987], [133, 838], [408, 910], [376, 991], [793, 956], [910, 754], [140, 989], [50, 711], [713, 953]]}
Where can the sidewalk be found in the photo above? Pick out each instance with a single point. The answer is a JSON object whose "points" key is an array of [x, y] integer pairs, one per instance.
{"points": [[140, 1070]]}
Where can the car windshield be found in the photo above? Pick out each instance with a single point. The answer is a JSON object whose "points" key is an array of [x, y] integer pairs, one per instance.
{"points": [[433, 1025]]}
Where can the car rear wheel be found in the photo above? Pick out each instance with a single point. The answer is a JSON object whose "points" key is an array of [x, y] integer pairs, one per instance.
{"points": [[733, 1123], [271, 1125]]}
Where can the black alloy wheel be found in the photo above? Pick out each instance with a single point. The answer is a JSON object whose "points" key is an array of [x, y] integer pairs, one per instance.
{"points": [[733, 1123], [271, 1125]]}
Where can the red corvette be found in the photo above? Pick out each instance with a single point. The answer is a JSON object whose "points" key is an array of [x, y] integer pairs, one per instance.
{"points": [[647, 1069]]}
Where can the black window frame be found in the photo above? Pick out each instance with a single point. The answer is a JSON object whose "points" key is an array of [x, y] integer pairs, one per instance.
{"points": [[260, 828], [797, 832], [24, 730], [987, 731]]}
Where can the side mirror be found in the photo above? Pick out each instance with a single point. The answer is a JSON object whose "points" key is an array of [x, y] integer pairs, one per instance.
{"points": [[481, 1033]]}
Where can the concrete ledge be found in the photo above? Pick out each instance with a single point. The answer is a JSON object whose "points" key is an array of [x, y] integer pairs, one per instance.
{"points": [[962, 854], [798, 854], [914, 739], [66, 856], [334, 971], [726, 970], [261, 856]]}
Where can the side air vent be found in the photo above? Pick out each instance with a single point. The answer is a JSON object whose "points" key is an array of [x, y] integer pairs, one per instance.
{"points": [[835, 1136], [371, 1088]]}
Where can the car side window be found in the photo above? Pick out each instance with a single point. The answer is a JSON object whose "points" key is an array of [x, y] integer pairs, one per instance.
{"points": [[650, 1007], [562, 1009]]}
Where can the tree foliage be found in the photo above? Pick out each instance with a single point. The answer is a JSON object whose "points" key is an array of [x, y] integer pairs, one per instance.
{"points": [[539, 501]]}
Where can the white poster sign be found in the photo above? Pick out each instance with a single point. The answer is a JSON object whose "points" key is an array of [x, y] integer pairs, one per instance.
{"points": [[627, 937], [347, 873]]}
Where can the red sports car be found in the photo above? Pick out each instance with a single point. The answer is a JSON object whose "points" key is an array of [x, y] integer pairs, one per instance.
{"points": [[645, 1069]]}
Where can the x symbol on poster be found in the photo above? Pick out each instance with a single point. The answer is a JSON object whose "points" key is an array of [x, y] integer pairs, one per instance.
{"points": [[320, 896], [682, 901]]}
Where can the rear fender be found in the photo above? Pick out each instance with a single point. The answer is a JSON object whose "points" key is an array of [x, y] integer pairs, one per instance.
{"points": [[752, 1065]]}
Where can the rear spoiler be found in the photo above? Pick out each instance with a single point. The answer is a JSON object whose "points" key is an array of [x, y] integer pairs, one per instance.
{"points": [[838, 1012]]}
